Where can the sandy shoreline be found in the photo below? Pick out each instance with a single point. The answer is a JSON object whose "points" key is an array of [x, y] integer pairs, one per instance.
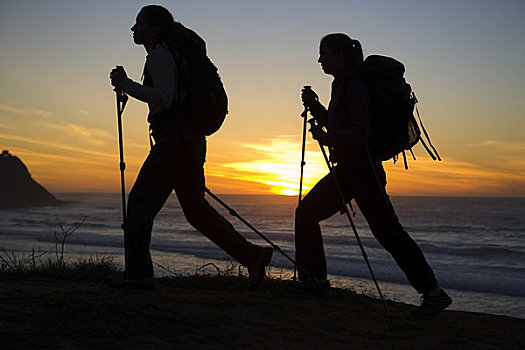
{"points": [[203, 312]]}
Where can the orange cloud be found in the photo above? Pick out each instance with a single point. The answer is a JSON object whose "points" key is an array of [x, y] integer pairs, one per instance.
{"points": [[453, 177]]}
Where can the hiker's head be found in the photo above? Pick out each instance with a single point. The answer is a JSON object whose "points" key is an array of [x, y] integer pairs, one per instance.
{"points": [[154, 25], [339, 53]]}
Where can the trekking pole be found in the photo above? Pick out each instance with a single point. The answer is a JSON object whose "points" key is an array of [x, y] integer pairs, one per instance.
{"points": [[363, 252], [304, 115], [122, 98], [274, 246]]}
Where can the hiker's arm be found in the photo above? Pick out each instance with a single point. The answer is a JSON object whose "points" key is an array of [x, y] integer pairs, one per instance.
{"points": [[163, 74], [320, 113], [319, 134], [356, 131]]}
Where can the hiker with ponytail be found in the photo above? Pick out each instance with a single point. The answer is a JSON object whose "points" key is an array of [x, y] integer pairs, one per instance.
{"points": [[345, 128], [178, 146]]}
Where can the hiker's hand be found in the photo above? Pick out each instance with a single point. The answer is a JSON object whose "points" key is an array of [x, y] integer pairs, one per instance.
{"points": [[319, 134], [117, 75], [309, 97]]}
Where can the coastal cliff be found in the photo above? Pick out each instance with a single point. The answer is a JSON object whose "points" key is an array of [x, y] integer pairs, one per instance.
{"points": [[17, 188]]}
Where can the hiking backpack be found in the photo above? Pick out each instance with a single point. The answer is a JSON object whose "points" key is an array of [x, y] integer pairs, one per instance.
{"points": [[394, 127], [202, 101], [206, 104]]}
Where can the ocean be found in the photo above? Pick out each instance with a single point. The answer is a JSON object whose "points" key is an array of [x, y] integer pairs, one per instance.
{"points": [[476, 246]]}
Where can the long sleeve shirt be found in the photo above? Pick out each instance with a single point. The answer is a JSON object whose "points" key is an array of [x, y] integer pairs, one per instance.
{"points": [[349, 122], [163, 91]]}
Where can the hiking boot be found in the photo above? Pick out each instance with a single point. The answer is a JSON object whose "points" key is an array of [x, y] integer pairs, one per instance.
{"points": [[431, 306], [256, 271], [318, 288], [121, 281]]}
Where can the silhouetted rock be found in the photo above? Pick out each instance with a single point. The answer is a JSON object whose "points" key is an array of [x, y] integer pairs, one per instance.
{"points": [[17, 187]]}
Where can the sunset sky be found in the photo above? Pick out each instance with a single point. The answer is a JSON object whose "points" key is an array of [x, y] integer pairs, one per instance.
{"points": [[464, 59]]}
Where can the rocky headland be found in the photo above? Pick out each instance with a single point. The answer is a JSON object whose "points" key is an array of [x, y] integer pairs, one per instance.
{"points": [[18, 189]]}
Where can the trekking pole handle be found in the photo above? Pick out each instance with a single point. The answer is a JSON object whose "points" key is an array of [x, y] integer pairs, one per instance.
{"points": [[306, 109], [120, 94], [305, 112], [309, 88]]}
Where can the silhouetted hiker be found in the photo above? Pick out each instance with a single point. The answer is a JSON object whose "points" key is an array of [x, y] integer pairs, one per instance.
{"points": [[348, 125], [176, 160]]}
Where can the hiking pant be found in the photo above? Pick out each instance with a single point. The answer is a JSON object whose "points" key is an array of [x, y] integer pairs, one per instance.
{"points": [[176, 163], [361, 184]]}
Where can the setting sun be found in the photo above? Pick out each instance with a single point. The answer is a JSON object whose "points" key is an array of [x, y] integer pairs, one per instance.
{"points": [[276, 164], [289, 192]]}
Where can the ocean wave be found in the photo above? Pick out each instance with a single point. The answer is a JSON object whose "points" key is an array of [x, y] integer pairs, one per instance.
{"points": [[496, 280], [503, 253]]}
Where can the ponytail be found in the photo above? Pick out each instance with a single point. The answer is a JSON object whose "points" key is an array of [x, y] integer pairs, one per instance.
{"points": [[350, 48]]}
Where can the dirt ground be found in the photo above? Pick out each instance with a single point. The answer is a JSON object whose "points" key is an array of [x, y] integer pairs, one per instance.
{"points": [[38, 311]]}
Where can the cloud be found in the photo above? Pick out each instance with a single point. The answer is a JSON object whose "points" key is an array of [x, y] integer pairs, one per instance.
{"points": [[45, 159], [25, 111], [93, 136], [5, 126], [98, 137], [499, 144], [58, 146], [454, 177]]}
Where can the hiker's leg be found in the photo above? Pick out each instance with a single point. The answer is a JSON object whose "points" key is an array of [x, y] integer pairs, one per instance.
{"points": [[319, 204], [201, 215], [385, 226], [148, 195]]}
